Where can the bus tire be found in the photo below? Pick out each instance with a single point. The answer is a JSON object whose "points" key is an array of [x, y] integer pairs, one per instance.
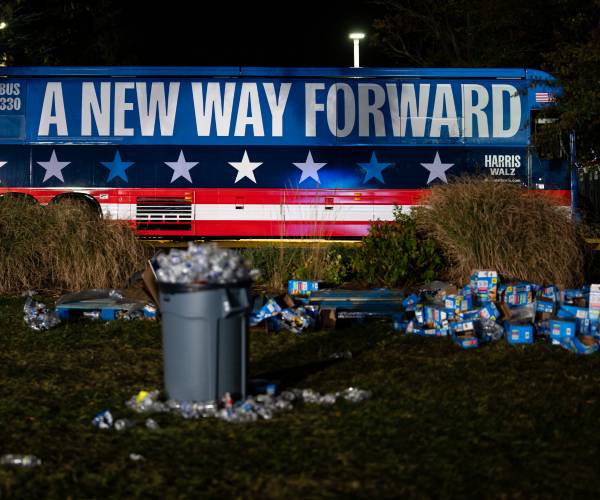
{"points": [[25, 198], [81, 199]]}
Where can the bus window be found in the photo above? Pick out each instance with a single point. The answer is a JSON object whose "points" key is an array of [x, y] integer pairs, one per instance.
{"points": [[546, 139]]}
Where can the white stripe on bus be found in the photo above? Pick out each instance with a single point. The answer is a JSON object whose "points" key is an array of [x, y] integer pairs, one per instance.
{"points": [[223, 212]]}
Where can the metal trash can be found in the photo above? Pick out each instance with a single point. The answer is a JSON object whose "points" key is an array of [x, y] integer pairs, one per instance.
{"points": [[205, 340]]}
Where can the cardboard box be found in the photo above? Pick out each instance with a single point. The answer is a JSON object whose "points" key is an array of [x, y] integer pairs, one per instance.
{"points": [[410, 302], [463, 327], [435, 317], [518, 295], [420, 314], [327, 319], [435, 332], [580, 344], [544, 305], [466, 341], [568, 311], [473, 314], [549, 293], [467, 294], [490, 311], [454, 303], [574, 296], [485, 285], [560, 328], [150, 282], [594, 303], [518, 333], [504, 311], [302, 287]]}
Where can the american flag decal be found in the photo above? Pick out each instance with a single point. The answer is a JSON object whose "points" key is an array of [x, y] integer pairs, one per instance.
{"points": [[544, 97]]}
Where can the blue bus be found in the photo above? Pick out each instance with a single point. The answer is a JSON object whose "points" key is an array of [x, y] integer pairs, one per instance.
{"points": [[267, 152]]}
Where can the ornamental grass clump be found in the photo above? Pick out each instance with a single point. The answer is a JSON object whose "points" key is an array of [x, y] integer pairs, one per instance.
{"points": [[63, 247], [524, 235]]}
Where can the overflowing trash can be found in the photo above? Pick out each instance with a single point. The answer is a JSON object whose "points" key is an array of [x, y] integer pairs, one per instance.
{"points": [[204, 323]]}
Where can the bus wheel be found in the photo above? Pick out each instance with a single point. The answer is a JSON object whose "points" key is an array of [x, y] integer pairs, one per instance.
{"points": [[21, 197], [80, 200]]}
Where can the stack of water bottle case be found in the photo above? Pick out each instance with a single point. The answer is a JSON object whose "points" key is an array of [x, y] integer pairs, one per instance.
{"points": [[486, 310]]}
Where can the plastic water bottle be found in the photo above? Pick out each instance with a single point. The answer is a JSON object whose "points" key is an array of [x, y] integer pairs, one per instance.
{"points": [[20, 460]]}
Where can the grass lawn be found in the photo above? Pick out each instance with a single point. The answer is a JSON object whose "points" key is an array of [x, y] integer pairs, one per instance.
{"points": [[499, 421]]}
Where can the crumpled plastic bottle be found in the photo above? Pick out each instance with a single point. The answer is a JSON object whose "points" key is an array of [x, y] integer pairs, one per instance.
{"points": [[355, 395], [123, 424], [103, 420], [20, 460], [152, 424], [491, 331], [206, 263], [37, 316]]}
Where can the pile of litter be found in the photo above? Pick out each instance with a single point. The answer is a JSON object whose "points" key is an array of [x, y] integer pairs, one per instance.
{"points": [[262, 406], [293, 318], [199, 264], [37, 316], [102, 304], [486, 310]]}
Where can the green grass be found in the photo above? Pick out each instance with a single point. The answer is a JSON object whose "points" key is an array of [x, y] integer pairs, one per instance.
{"points": [[495, 422]]}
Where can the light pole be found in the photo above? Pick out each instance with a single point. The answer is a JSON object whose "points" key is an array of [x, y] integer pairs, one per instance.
{"points": [[3, 25], [356, 37]]}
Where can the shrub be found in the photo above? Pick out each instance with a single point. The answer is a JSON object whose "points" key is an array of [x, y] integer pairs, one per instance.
{"points": [[314, 261], [482, 224], [63, 247], [396, 253]]}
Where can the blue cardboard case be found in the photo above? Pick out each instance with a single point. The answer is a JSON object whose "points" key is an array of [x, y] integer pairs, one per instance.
{"points": [[519, 333], [559, 328], [302, 287]]}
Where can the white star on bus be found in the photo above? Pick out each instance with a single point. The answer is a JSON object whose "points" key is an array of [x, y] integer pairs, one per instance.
{"points": [[310, 168], [181, 168], [53, 167], [437, 169], [245, 168]]}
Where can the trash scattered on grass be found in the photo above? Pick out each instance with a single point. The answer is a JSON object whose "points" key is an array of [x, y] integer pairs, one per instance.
{"points": [[203, 264], [269, 310], [105, 304], [261, 406], [487, 310], [341, 355], [295, 319], [104, 420], [152, 424], [25, 461], [97, 304], [123, 424], [37, 316]]}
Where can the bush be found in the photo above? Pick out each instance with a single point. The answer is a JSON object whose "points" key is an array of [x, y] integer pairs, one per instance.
{"points": [[396, 253], [523, 235], [63, 247], [315, 261]]}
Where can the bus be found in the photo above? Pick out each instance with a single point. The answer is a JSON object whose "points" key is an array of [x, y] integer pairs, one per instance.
{"points": [[245, 152]]}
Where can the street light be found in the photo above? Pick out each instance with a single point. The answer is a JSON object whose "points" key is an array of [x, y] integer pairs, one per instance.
{"points": [[356, 37]]}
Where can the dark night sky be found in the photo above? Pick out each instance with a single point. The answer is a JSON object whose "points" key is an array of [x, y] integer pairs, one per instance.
{"points": [[303, 33]]}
